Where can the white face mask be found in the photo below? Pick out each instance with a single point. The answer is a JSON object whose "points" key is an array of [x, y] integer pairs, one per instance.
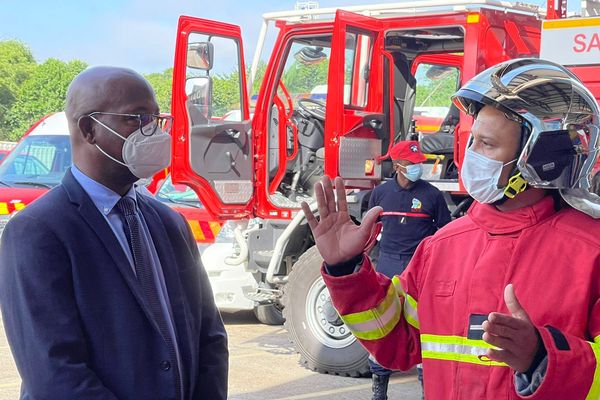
{"points": [[143, 155], [480, 175]]}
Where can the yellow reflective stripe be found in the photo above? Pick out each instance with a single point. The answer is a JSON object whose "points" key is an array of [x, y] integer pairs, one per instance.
{"points": [[381, 331], [410, 304], [215, 227], [3, 209], [456, 348], [575, 23], [373, 313], [466, 358], [19, 206], [427, 127], [377, 322], [445, 339], [597, 339], [196, 230], [594, 392]]}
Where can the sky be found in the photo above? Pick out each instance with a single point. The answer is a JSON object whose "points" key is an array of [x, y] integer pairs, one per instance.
{"points": [[139, 34]]}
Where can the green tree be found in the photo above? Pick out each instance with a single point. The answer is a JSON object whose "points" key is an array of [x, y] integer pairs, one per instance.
{"points": [[226, 93], [42, 93], [162, 82], [16, 65], [436, 92], [260, 74], [300, 78]]}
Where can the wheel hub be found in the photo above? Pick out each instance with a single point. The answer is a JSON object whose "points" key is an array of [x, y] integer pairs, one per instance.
{"points": [[323, 320], [331, 314]]}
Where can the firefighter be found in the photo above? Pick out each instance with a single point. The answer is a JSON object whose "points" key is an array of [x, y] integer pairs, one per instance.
{"points": [[503, 303], [412, 210]]}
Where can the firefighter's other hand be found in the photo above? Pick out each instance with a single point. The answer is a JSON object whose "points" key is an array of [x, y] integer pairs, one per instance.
{"points": [[514, 335], [338, 238]]}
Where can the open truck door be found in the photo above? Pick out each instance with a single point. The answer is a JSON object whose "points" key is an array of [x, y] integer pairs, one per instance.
{"points": [[212, 148], [357, 131]]}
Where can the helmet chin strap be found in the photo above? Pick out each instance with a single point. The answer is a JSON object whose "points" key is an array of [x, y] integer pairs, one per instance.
{"points": [[516, 183]]}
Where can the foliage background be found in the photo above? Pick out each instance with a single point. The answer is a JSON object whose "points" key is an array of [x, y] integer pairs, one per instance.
{"points": [[29, 90]]}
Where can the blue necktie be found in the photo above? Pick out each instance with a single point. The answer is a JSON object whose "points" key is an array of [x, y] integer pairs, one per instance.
{"points": [[145, 276]]}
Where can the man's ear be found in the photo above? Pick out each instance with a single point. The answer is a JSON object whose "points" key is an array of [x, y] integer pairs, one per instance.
{"points": [[87, 129]]}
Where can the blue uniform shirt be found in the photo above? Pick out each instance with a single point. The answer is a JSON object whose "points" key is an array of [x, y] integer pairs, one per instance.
{"points": [[409, 215]]}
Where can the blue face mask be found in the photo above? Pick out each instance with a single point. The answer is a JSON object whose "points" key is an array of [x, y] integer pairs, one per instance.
{"points": [[413, 172]]}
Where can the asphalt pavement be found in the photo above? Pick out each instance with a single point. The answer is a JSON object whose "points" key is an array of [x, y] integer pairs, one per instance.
{"points": [[263, 366]]}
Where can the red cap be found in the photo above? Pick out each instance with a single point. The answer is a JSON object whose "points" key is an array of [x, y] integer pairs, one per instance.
{"points": [[407, 150]]}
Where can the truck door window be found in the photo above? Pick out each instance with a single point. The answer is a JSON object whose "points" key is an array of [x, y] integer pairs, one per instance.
{"points": [[214, 92], [356, 69], [435, 86], [305, 71], [297, 120]]}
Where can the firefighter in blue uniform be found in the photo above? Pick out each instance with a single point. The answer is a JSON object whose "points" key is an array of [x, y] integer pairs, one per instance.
{"points": [[412, 210]]}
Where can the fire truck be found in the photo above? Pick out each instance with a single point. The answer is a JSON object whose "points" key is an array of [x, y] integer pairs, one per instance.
{"points": [[381, 67]]}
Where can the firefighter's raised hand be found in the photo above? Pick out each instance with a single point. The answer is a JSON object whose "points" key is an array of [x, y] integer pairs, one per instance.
{"points": [[337, 237], [514, 335]]}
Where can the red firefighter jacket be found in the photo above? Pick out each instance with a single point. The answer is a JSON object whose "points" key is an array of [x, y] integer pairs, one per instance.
{"points": [[433, 311]]}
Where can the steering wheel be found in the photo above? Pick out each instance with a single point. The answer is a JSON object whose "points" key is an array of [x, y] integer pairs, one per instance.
{"points": [[314, 108]]}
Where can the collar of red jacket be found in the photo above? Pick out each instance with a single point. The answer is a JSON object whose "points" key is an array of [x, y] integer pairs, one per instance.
{"points": [[494, 221]]}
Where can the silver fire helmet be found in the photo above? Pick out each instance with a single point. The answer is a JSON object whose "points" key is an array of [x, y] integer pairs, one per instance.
{"points": [[561, 121]]}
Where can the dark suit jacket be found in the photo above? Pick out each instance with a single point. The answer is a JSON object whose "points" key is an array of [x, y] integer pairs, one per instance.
{"points": [[76, 321]]}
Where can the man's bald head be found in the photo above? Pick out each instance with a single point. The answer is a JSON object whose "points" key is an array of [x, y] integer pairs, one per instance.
{"points": [[96, 89]]}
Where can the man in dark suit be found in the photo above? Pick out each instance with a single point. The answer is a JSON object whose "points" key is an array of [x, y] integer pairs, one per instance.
{"points": [[102, 290]]}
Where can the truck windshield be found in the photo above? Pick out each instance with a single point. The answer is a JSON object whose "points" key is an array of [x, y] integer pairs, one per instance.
{"points": [[176, 193], [39, 160]]}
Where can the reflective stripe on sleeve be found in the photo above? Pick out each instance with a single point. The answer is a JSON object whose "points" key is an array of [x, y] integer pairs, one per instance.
{"points": [[594, 392], [456, 348], [377, 322], [410, 304]]}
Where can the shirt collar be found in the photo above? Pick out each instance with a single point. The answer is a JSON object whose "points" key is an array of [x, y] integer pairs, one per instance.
{"points": [[494, 221], [103, 198], [399, 188]]}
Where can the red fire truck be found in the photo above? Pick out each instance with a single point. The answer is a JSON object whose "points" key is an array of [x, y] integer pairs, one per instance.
{"points": [[381, 66]]}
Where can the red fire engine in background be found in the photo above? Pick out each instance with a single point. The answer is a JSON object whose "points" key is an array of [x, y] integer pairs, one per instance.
{"points": [[381, 67]]}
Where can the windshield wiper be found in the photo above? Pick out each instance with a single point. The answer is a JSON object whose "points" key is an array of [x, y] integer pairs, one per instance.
{"points": [[5, 184], [38, 184]]}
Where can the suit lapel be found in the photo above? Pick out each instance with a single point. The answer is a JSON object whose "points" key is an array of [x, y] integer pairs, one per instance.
{"points": [[103, 231]]}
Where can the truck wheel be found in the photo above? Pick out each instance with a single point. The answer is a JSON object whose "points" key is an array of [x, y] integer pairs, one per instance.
{"points": [[269, 314], [324, 342]]}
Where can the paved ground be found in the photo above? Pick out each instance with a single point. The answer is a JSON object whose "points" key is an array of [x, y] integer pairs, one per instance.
{"points": [[263, 366]]}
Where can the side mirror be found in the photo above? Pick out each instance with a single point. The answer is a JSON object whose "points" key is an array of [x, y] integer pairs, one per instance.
{"points": [[200, 55]]}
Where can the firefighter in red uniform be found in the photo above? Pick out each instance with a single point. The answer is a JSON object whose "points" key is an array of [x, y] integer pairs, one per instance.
{"points": [[503, 303], [412, 210]]}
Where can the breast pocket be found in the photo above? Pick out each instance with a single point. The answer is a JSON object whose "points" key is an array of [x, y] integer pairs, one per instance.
{"points": [[443, 288]]}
